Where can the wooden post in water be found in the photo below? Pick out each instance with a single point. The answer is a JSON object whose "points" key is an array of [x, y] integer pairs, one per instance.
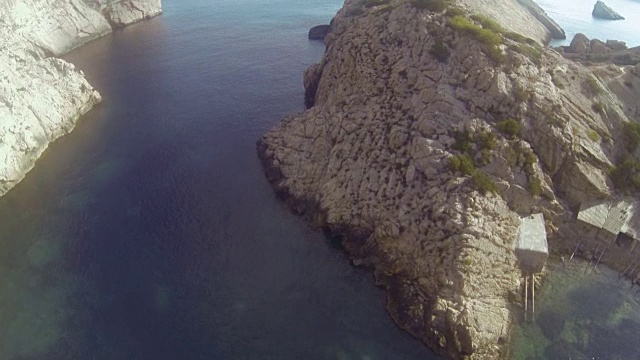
{"points": [[533, 297], [526, 296], [576, 249]]}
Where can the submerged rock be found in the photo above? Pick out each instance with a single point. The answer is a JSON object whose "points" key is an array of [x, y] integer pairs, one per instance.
{"points": [[602, 11]]}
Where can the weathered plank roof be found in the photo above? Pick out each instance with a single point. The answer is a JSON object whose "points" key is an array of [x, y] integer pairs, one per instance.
{"points": [[594, 213], [532, 234], [614, 216]]}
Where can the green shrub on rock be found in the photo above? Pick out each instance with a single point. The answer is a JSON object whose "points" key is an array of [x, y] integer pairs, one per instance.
{"points": [[462, 163], [626, 174], [509, 127], [372, 3], [535, 186], [631, 136], [440, 51], [489, 38], [483, 182], [432, 5]]}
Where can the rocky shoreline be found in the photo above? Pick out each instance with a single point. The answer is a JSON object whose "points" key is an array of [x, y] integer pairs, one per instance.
{"points": [[41, 96], [429, 133]]}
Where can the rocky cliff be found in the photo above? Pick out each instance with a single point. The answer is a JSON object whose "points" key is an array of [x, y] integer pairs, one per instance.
{"points": [[41, 97], [429, 132]]}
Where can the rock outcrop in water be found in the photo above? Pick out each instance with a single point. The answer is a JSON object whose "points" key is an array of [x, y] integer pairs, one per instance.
{"points": [[319, 32], [428, 135], [595, 51], [602, 11], [41, 97]]}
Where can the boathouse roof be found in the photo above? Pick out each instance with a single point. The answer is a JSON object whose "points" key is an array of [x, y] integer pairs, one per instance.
{"points": [[531, 244], [613, 216]]}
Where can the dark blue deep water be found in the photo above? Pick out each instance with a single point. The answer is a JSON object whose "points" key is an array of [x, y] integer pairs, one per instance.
{"points": [[150, 232]]}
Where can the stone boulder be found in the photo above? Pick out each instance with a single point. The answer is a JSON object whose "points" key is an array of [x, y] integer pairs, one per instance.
{"points": [[580, 44], [599, 47], [617, 45], [319, 32], [602, 11]]}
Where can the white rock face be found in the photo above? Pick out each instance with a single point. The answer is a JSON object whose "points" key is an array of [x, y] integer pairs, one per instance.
{"points": [[41, 97]]}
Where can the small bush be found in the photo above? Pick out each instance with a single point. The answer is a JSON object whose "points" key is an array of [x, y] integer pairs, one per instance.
{"points": [[432, 5], [485, 157], [455, 11], [467, 261], [464, 142], [594, 85], [512, 157], [486, 140], [462, 163], [483, 182], [521, 94], [631, 136], [593, 135], [509, 127], [626, 174], [490, 39], [488, 23], [515, 37], [372, 3], [440, 51], [528, 160], [598, 107], [535, 186], [533, 53]]}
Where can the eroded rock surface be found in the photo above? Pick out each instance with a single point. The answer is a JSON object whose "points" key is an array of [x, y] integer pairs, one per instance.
{"points": [[41, 97], [398, 95]]}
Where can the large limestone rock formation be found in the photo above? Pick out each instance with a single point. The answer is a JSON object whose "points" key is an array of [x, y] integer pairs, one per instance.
{"points": [[41, 97], [403, 106]]}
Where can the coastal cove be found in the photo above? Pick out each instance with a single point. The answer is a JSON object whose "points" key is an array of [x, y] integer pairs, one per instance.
{"points": [[150, 232]]}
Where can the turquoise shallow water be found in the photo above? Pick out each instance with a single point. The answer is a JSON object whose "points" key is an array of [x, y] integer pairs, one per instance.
{"points": [[574, 16], [150, 232], [581, 313]]}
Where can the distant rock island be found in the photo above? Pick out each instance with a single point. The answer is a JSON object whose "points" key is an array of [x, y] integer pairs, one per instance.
{"points": [[602, 11], [41, 96], [432, 129]]}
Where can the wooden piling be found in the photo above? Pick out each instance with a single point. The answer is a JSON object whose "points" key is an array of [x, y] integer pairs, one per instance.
{"points": [[533, 297], [526, 297]]}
